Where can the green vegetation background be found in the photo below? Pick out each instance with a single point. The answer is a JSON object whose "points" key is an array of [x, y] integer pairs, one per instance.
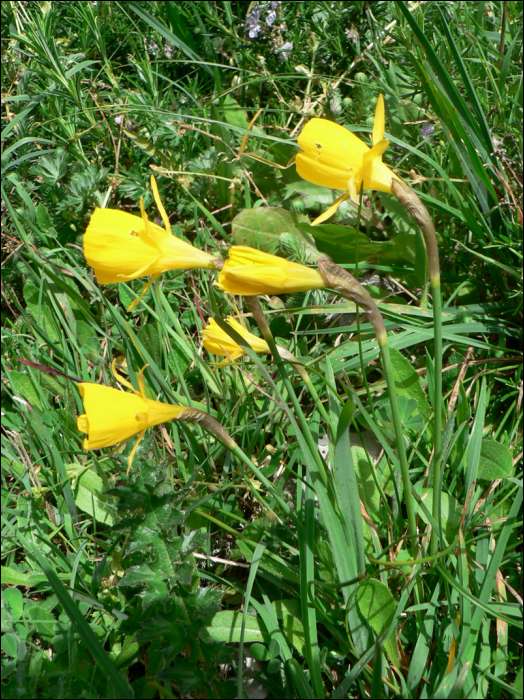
{"points": [[115, 586]]}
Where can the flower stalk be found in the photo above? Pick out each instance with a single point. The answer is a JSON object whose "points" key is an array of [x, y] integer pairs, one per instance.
{"points": [[258, 315], [413, 204], [347, 286]]}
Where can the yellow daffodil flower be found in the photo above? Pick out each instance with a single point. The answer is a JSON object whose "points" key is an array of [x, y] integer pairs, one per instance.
{"points": [[332, 156], [219, 342], [121, 247], [112, 416], [250, 271]]}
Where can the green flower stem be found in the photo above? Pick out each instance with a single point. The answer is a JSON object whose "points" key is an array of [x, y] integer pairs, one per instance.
{"points": [[437, 406], [412, 202], [401, 447], [258, 315], [345, 284], [316, 398]]}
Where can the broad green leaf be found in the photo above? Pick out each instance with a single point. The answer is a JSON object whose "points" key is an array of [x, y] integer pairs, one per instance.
{"points": [[366, 483], [10, 645], [44, 621], [378, 606], [272, 230], [407, 382], [224, 626], [233, 113], [13, 599], [495, 460], [402, 248], [88, 490], [341, 243]]}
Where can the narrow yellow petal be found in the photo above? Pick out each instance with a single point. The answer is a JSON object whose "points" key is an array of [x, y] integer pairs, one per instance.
{"points": [[379, 125], [159, 204], [330, 210], [133, 451], [141, 384], [122, 380], [352, 189], [375, 152], [142, 293]]}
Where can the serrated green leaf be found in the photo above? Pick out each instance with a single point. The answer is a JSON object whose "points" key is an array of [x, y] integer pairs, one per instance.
{"points": [[272, 564], [148, 336], [14, 578], [42, 314]]}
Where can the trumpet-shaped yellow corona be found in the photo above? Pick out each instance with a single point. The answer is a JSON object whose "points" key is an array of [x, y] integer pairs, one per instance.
{"points": [[219, 342], [120, 246], [250, 272], [112, 416], [332, 156]]}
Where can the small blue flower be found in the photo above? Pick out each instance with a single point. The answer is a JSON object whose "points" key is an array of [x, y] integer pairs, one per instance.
{"points": [[426, 130], [252, 24]]}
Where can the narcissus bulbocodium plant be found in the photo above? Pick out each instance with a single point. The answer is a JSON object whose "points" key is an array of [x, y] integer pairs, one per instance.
{"points": [[121, 247], [112, 416], [219, 342], [332, 156], [249, 271]]}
